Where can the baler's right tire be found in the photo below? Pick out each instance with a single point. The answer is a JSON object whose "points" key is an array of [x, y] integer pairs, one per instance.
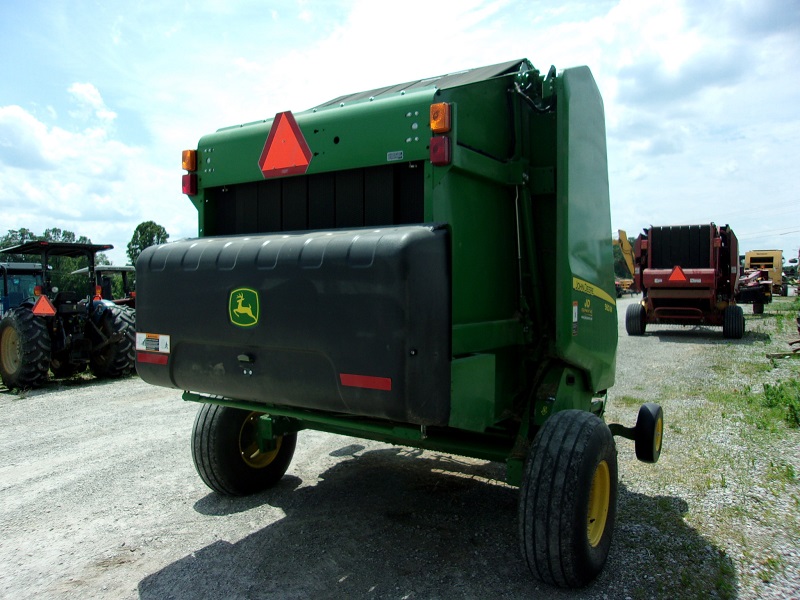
{"points": [[758, 308], [635, 319], [733, 322], [226, 453], [568, 499], [24, 349], [649, 432]]}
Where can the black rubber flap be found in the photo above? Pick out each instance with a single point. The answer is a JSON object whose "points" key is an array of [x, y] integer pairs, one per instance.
{"points": [[347, 321]]}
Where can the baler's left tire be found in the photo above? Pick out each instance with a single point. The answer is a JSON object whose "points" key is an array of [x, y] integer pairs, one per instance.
{"points": [[226, 453], [117, 358], [568, 499], [758, 308], [733, 322]]}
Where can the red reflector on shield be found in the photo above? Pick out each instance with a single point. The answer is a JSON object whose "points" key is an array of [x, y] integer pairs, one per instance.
{"points": [[366, 381], [152, 358]]}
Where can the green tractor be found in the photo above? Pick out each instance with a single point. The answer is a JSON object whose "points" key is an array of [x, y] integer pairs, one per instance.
{"points": [[64, 331], [425, 264]]}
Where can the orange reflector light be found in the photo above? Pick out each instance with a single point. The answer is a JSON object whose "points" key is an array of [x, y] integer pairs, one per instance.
{"points": [[98, 293], [37, 290], [189, 184], [189, 160], [43, 307], [440, 151], [677, 275], [440, 117]]}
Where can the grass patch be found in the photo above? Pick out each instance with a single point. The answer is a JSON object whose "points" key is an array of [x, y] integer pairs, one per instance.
{"points": [[628, 401], [785, 398]]}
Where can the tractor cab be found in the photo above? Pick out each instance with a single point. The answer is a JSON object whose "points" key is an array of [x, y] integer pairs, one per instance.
{"points": [[18, 283], [104, 278]]}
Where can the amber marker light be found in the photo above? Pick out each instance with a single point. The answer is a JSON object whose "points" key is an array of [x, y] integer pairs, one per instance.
{"points": [[189, 160], [440, 117]]}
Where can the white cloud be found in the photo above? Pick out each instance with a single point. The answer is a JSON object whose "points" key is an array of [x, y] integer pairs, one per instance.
{"points": [[95, 186], [88, 96]]}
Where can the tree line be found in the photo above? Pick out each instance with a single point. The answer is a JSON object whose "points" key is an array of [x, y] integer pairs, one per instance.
{"points": [[146, 234]]}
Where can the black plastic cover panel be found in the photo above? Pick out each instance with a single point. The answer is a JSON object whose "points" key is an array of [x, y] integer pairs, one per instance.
{"points": [[346, 321]]}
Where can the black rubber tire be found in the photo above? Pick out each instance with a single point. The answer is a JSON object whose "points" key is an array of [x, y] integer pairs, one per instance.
{"points": [[733, 322], [222, 439], [758, 308], [118, 358], [560, 543], [24, 349], [635, 319], [649, 432]]}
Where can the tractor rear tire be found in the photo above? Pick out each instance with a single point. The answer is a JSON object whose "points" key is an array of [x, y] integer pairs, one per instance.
{"points": [[24, 349], [733, 322], [117, 358], [635, 323], [226, 453], [568, 499]]}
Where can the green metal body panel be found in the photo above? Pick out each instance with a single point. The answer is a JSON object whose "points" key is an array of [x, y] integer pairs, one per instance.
{"points": [[525, 200]]}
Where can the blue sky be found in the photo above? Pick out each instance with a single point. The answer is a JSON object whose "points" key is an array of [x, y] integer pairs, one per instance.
{"points": [[97, 99]]}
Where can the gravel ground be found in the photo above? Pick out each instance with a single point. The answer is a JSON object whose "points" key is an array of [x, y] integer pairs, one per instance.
{"points": [[99, 498]]}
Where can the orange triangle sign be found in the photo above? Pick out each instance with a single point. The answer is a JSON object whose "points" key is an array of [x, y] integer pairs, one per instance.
{"points": [[43, 307], [677, 275], [285, 151]]}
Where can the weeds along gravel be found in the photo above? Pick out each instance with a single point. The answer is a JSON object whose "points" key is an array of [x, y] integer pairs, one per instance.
{"points": [[729, 475]]}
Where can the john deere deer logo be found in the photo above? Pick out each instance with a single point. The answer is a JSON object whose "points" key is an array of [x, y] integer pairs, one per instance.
{"points": [[243, 307]]}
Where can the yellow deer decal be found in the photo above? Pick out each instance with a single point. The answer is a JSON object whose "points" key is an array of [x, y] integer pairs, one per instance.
{"points": [[242, 309]]}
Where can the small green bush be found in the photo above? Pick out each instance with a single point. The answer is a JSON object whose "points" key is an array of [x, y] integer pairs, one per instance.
{"points": [[784, 395]]}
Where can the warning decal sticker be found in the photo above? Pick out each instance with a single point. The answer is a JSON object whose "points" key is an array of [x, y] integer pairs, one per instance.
{"points": [[152, 342]]}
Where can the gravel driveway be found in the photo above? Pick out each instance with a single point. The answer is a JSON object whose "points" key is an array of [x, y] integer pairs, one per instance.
{"points": [[99, 499]]}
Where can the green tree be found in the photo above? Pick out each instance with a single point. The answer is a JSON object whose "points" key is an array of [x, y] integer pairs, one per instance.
{"points": [[146, 234]]}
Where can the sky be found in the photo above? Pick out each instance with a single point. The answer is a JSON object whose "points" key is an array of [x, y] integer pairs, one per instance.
{"points": [[98, 99]]}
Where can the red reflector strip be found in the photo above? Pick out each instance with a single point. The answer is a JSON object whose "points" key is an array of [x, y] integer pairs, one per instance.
{"points": [[152, 358], [43, 307], [366, 381]]}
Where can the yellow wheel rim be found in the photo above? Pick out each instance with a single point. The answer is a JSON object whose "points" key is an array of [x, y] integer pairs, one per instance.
{"points": [[599, 498], [659, 433], [248, 444], [10, 350]]}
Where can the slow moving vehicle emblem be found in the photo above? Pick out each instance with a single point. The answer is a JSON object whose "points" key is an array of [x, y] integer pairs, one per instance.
{"points": [[243, 307]]}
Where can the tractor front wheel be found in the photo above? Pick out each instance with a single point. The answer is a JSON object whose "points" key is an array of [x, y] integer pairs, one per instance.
{"points": [[227, 454], [24, 349], [568, 499]]}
